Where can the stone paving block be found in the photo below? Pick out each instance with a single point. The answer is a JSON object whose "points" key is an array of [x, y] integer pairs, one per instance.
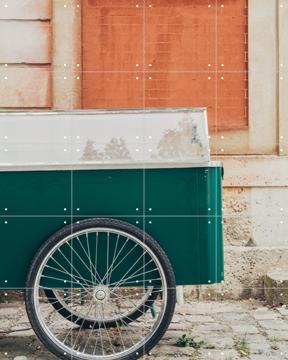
{"points": [[234, 316], [266, 315], [178, 326], [276, 287], [245, 329], [20, 334], [173, 334], [218, 342], [256, 347], [274, 324], [282, 346], [265, 357], [211, 327], [8, 311], [219, 354], [283, 310], [168, 350], [277, 334], [5, 325], [199, 319]]}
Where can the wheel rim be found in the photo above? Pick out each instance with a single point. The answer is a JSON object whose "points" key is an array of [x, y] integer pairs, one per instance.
{"points": [[110, 293]]}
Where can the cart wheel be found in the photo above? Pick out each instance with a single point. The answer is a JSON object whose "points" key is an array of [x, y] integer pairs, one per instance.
{"points": [[111, 271], [60, 300]]}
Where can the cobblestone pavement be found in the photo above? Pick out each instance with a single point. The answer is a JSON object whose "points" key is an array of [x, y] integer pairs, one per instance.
{"points": [[229, 330]]}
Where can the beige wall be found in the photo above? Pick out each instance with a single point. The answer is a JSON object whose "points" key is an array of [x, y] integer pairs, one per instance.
{"points": [[25, 54]]}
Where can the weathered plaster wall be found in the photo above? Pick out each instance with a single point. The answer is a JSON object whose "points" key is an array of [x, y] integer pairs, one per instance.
{"points": [[25, 54]]}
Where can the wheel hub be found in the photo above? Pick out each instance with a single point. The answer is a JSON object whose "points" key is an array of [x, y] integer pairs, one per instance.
{"points": [[101, 293]]}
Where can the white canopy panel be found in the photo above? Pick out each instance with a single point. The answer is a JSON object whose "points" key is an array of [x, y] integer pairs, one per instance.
{"points": [[104, 137]]}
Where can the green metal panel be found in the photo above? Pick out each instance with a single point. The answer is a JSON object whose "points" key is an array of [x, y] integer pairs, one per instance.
{"points": [[35, 193], [20, 239], [108, 192], [180, 208]]}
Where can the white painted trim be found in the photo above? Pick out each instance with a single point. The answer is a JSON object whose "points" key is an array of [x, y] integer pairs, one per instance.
{"points": [[108, 166]]}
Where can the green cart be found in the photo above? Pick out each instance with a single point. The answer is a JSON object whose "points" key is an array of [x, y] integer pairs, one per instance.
{"points": [[103, 214]]}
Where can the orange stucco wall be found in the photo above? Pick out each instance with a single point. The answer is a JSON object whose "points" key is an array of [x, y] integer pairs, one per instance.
{"points": [[167, 53]]}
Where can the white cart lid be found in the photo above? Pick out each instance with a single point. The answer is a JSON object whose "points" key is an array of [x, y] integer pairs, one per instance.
{"points": [[101, 138]]}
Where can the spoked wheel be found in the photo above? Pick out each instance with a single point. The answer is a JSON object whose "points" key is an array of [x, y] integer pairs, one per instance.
{"points": [[101, 276]]}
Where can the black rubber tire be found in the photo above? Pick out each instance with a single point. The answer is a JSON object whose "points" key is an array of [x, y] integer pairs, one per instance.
{"points": [[117, 225], [89, 324]]}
